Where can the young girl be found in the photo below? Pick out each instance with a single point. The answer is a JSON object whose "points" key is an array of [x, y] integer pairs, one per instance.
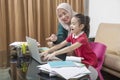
{"points": [[78, 38]]}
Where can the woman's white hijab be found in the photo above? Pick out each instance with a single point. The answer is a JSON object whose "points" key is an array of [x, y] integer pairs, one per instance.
{"points": [[68, 8]]}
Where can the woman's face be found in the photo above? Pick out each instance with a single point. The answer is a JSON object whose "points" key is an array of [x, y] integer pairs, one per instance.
{"points": [[75, 26], [64, 15]]}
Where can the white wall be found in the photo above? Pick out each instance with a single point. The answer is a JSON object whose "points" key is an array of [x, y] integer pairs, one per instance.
{"points": [[107, 11]]}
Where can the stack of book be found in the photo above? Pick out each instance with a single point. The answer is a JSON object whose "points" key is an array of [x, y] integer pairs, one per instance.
{"points": [[65, 69]]}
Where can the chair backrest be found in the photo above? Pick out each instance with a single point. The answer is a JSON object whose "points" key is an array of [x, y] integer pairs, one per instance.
{"points": [[99, 49], [108, 34]]}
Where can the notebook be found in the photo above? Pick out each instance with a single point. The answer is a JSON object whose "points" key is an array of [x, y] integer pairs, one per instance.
{"points": [[34, 50]]}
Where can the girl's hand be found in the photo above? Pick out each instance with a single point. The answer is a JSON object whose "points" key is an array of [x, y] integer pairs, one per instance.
{"points": [[43, 54], [49, 56], [52, 38]]}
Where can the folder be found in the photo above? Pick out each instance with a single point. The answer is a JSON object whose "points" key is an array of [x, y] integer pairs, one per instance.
{"points": [[56, 64]]}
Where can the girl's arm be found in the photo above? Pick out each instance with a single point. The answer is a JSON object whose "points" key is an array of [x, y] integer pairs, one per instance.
{"points": [[64, 50], [56, 47]]}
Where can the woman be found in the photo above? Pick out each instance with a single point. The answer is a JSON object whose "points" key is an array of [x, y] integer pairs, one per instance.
{"points": [[64, 14]]}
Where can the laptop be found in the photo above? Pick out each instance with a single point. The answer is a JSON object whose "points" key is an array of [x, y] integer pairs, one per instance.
{"points": [[34, 50]]}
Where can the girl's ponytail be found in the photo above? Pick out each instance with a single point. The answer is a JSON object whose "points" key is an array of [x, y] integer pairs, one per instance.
{"points": [[87, 25]]}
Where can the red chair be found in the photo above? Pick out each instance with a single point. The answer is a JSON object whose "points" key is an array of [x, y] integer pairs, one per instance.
{"points": [[99, 49]]}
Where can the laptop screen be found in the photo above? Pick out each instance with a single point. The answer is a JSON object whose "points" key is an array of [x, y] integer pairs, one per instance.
{"points": [[34, 50]]}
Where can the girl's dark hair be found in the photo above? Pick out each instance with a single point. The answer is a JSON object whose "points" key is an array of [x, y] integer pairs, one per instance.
{"points": [[84, 20]]}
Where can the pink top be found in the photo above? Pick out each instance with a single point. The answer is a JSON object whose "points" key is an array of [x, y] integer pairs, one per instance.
{"points": [[84, 50]]}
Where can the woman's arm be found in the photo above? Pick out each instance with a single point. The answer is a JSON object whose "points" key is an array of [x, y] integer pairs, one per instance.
{"points": [[61, 35], [56, 39]]}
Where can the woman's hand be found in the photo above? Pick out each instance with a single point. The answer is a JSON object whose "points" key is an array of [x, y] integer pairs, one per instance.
{"points": [[50, 44], [52, 38]]}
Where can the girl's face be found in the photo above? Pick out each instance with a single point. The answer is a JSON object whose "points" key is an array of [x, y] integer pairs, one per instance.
{"points": [[64, 15], [75, 26]]}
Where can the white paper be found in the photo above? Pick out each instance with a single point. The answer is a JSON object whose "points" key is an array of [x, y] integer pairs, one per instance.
{"points": [[18, 44], [78, 76], [65, 72], [71, 72], [74, 58], [47, 68]]}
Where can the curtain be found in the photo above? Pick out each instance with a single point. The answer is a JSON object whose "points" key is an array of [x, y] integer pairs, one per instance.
{"points": [[34, 18]]}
